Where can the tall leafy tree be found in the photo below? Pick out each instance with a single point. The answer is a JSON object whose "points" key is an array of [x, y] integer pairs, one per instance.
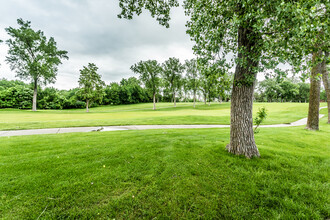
{"points": [[149, 74], [309, 39], [172, 74], [192, 77], [251, 30], [32, 56], [209, 74], [91, 85]]}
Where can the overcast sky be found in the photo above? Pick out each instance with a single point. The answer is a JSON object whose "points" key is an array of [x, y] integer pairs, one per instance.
{"points": [[91, 32]]}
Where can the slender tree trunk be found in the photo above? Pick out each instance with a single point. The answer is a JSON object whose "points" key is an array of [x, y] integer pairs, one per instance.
{"points": [[194, 99], [35, 92], [154, 100], [174, 98], [314, 96], [220, 99], [87, 105], [326, 83], [241, 126], [205, 99]]}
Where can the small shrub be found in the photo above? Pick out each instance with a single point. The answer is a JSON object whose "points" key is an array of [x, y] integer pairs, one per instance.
{"points": [[261, 116]]}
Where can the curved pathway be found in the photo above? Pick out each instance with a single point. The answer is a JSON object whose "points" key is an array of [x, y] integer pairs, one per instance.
{"points": [[131, 127]]}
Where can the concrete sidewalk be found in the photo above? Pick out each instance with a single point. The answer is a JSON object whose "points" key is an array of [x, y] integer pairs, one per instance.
{"points": [[130, 127]]}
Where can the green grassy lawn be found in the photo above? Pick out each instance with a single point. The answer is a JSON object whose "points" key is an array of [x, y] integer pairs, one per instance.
{"points": [[165, 174], [142, 114]]}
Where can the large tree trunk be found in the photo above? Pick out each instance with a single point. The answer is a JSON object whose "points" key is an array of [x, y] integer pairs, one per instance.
{"points": [[87, 105], [241, 125], [326, 83], [314, 96], [35, 92], [194, 99], [154, 100]]}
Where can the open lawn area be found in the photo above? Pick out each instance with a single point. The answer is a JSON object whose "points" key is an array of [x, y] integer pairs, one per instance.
{"points": [[142, 114], [165, 174]]}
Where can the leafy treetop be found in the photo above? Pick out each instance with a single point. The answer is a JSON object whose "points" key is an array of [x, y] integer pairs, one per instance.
{"points": [[90, 83], [149, 74], [31, 55]]}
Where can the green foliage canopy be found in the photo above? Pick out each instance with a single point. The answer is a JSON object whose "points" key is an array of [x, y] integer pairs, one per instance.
{"points": [[149, 74], [172, 70], [31, 55], [90, 83]]}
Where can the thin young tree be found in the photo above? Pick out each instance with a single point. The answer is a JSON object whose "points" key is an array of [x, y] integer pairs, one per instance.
{"points": [[172, 74], [90, 85], [149, 74], [192, 77], [32, 56], [251, 30]]}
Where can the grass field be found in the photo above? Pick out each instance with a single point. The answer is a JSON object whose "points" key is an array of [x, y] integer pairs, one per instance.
{"points": [[142, 114], [165, 174]]}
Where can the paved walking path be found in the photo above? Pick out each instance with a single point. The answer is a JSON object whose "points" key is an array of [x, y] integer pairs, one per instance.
{"points": [[131, 127]]}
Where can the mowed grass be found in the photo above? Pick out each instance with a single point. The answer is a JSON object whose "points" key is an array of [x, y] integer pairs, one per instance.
{"points": [[165, 174], [142, 114]]}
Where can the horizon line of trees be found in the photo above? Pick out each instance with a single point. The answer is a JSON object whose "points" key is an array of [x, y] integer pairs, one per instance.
{"points": [[18, 94]]}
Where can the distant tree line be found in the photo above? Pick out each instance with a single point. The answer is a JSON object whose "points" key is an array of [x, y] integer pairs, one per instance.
{"points": [[192, 86], [284, 90]]}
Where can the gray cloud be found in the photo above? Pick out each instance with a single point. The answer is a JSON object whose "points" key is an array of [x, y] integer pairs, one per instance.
{"points": [[91, 32]]}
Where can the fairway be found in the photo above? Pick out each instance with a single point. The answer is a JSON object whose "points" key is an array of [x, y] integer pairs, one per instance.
{"points": [[175, 174], [142, 114]]}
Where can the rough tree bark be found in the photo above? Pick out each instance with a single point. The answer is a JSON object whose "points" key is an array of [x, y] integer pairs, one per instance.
{"points": [[326, 83], [35, 91], [241, 126], [314, 95], [87, 105]]}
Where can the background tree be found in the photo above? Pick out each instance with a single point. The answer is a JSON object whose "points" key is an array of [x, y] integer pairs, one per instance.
{"points": [[309, 39], [303, 92], [270, 89], [185, 88], [289, 90], [208, 82], [112, 92], [192, 77], [172, 74], [131, 91], [32, 56], [91, 85], [149, 74], [223, 82]]}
